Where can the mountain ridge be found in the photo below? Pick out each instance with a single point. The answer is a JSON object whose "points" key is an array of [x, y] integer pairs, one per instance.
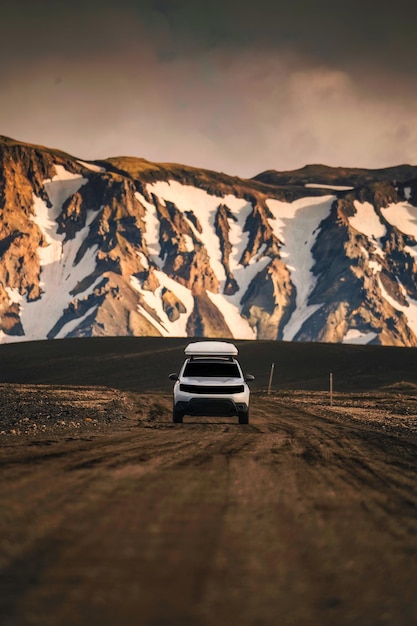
{"points": [[318, 173], [124, 246]]}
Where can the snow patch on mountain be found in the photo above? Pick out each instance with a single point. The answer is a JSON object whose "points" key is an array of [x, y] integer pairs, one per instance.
{"points": [[239, 240], [152, 228], [153, 300], [375, 267], [355, 336], [245, 275], [91, 166], [411, 251], [204, 206], [330, 187], [189, 243], [63, 185], [59, 274], [403, 216], [230, 307], [143, 259], [71, 325], [296, 224], [239, 326], [366, 220]]}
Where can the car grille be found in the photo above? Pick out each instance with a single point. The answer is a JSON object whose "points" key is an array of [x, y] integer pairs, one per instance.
{"points": [[206, 389]]}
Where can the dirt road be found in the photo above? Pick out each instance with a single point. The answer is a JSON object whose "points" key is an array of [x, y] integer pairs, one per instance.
{"points": [[295, 520]]}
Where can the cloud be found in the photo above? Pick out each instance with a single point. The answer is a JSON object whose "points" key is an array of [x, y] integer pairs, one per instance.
{"points": [[158, 81], [334, 120]]}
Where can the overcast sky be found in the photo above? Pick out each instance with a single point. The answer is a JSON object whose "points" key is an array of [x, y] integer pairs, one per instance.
{"points": [[234, 87]]}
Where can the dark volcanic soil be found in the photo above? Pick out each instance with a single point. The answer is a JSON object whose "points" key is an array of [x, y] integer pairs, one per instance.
{"points": [[112, 515]]}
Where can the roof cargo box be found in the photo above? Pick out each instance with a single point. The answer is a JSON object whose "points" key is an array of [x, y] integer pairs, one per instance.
{"points": [[211, 348]]}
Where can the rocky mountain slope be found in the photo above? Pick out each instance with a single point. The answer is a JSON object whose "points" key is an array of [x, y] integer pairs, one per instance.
{"points": [[128, 247]]}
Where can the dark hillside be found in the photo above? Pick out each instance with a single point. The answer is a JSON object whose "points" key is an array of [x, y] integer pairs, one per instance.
{"points": [[143, 363], [323, 174]]}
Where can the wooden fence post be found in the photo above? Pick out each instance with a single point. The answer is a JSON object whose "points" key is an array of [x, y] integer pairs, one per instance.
{"points": [[331, 389], [270, 377]]}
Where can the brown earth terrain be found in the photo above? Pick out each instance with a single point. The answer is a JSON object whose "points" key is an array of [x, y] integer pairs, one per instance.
{"points": [[113, 515]]}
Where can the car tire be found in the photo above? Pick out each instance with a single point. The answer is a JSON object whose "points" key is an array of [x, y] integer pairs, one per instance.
{"points": [[177, 416], [243, 417]]}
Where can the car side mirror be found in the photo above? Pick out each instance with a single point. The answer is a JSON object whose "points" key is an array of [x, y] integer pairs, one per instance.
{"points": [[173, 376], [249, 378]]}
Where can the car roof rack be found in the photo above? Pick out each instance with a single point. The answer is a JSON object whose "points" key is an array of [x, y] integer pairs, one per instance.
{"points": [[211, 349]]}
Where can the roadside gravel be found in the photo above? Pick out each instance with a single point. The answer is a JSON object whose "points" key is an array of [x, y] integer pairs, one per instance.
{"points": [[393, 410], [46, 410], [43, 409]]}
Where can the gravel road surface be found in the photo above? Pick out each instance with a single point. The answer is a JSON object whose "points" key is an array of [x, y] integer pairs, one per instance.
{"points": [[305, 517]]}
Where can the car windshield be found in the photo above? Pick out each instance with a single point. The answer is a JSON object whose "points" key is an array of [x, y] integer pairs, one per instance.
{"points": [[195, 368]]}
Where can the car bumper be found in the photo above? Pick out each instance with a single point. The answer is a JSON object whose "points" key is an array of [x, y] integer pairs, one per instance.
{"points": [[221, 407]]}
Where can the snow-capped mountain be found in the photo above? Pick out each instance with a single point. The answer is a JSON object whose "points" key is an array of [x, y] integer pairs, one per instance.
{"points": [[128, 247]]}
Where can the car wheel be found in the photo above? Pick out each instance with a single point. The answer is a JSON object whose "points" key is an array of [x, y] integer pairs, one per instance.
{"points": [[177, 416], [243, 417]]}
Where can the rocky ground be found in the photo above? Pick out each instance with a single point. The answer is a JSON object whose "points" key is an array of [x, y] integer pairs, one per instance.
{"points": [[43, 410], [393, 409], [38, 410]]}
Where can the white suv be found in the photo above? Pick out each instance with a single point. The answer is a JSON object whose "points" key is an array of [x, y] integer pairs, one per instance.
{"points": [[211, 382]]}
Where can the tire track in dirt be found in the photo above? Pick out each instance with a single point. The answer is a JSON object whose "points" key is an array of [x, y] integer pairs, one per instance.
{"points": [[295, 519]]}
